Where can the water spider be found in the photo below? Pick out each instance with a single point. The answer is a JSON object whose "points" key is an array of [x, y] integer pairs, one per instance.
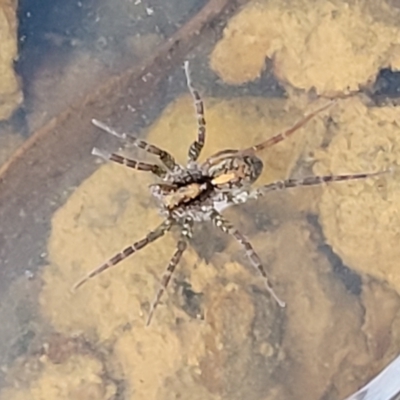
{"points": [[198, 192]]}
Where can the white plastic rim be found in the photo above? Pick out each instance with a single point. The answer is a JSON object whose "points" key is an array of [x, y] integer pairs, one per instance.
{"points": [[384, 386]]}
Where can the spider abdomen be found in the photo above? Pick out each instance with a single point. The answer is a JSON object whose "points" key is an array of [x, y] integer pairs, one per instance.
{"points": [[235, 172]]}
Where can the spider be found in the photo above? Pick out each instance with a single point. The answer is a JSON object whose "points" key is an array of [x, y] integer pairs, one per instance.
{"points": [[198, 192]]}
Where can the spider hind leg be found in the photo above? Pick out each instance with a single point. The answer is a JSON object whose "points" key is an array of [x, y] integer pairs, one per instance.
{"points": [[310, 181], [223, 224], [288, 132]]}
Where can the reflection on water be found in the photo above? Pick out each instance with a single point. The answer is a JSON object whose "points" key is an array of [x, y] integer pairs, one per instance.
{"points": [[217, 334]]}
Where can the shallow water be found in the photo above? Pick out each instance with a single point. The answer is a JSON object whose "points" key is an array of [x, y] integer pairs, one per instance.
{"points": [[217, 334]]}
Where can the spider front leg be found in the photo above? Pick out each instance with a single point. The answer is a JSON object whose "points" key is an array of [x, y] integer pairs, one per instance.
{"points": [[141, 166], [180, 249], [128, 251], [221, 223], [196, 147], [166, 158]]}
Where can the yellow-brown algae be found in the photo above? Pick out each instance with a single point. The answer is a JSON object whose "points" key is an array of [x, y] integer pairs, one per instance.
{"points": [[322, 337], [10, 92], [79, 377], [328, 46], [361, 220]]}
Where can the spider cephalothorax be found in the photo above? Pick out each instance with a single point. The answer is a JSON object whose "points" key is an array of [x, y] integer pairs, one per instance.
{"points": [[199, 192]]}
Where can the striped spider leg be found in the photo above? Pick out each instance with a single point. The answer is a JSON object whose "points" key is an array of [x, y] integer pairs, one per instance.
{"points": [[242, 195], [287, 133], [269, 142], [130, 163], [166, 158], [197, 146], [152, 236], [186, 233], [223, 224], [252, 194]]}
